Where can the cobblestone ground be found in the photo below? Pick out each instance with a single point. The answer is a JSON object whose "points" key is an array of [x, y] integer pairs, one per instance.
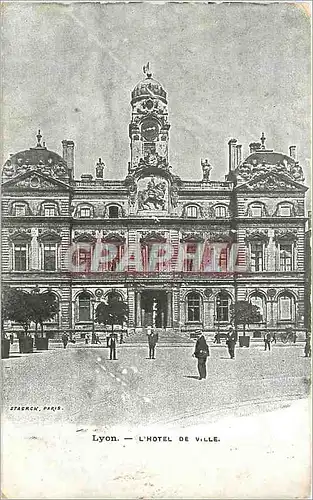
{"points": [[91, 389]]}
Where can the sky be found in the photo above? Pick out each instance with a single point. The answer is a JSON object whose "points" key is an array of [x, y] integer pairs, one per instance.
{"points": [[231, 70]]}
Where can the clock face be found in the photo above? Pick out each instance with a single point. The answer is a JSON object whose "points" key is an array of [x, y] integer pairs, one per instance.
{"points": [[149, 130]]}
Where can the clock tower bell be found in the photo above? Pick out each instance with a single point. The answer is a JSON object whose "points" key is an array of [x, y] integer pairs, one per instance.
{"points": [[149, 127]]}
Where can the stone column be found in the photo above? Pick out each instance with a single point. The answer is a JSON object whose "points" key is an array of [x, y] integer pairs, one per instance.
{"points": [[138, 308], [169, 309]]}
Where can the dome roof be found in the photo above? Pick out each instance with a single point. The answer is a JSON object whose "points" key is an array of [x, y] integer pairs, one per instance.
{"points": [[37, 158], [149, 87]]}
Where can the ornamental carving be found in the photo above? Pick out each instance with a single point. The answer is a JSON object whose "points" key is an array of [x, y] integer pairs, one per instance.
{"points": [[153, 160], [114, 238], [20, 235], [85, 237], [293, 170], [50, 236], [153, 196], [257, 235], [220, 237], [131, 188], [192, 238], [151, 236], [285, 235], [271, 183]]}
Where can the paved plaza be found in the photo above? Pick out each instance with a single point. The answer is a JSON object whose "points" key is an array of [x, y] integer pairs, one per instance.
{"points": [[256, 406], [91, 389]]}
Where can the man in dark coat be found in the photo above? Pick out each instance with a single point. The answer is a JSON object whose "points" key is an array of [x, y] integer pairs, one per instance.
{"points": [[152, 340], [201, 353], [267, 341], [65, 340], [231, 342], [112, 346]]}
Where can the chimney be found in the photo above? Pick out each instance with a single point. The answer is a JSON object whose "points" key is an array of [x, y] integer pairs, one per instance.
{"points": [[68, 154], [293, 152], [232, 154], [238, 154], [254, 146]]}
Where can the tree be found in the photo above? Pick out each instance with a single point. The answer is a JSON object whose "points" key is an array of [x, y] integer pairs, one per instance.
{"points": [[43, 307], [24, 307], [245, 313], [114, 312], [15, 307]]}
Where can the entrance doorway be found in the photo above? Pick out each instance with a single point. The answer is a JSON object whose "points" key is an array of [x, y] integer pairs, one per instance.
{"points": [[154, 308]]}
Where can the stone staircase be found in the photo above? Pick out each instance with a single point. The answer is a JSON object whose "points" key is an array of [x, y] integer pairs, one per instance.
{"points": [[166, 337]]}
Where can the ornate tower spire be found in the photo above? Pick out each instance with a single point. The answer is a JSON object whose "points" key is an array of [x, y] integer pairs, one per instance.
{"points": [[146, 70], [149, 127]]}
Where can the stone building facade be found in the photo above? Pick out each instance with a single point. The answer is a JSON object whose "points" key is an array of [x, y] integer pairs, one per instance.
{"points": [[180, 252]]}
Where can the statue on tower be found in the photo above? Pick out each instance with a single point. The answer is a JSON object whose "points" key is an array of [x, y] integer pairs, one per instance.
{"points": [[206, 169], [99, 169]]}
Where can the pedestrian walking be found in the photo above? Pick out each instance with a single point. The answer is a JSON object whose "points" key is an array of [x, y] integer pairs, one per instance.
{"points": [[201, 353], [152, 341], [11, 338], [307, 347], [274, 339], [231, 342], [97, 339], [112, 346], [294, 337], [267, 342], [217, 338], [65, 340], [87, 339]]}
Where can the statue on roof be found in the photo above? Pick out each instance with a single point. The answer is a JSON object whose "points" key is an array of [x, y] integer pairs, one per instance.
{"points": [[206, 169]]}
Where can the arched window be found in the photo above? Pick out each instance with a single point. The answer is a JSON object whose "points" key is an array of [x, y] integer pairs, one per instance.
{"points": [[192, 211], [84, 307], [286, 307], [113, 212], [256, 299], [220, 211], [193, 306], [222, 306]]}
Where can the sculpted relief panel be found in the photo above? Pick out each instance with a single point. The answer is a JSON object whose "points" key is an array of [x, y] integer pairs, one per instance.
{"points": [[152, 193]]}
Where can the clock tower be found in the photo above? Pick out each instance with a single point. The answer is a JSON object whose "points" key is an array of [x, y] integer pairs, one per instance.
{"points": [[149, 127]]}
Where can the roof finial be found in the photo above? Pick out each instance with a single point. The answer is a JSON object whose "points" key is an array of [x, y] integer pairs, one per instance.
{"points": [[146, 70], [263, 139], [39, 137]]}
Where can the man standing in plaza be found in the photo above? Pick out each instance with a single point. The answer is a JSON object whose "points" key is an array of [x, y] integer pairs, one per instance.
{"points": [[267, 341], [152, 341], [112, 346], [201, 353], [231, 342]]}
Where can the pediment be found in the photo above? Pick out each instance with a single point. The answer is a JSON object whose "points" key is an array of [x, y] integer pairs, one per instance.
{"points": [[34, 181], [271, 181]]}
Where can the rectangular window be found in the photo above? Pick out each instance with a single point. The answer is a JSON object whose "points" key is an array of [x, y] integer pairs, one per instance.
{"points": [[285, 308], [285, 211], [222, 309], [20, 257], [256, 211], [49, 257], [285, 257], [191, 262], [194, 310], [256, 256], [85, 212], [220, 212], [49, 211], [192, 212], [20, 210]]}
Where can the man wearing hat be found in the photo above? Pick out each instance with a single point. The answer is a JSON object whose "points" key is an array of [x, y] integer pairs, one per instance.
{"points": [[201, 353], [231, 342]]}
